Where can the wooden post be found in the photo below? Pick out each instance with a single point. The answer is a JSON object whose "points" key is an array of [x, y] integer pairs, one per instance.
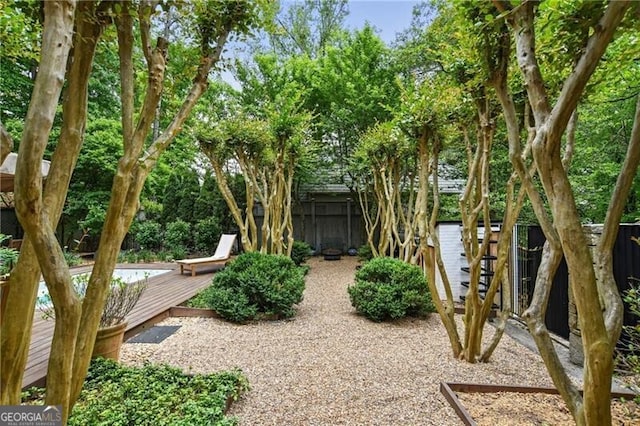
{"points": [[349, 223], [314, 225]]}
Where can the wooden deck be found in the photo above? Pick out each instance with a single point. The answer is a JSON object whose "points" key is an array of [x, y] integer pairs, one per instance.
{"points": [[164, 291]]}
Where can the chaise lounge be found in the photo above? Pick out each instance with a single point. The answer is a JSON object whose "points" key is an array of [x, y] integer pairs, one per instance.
{"points": [[220, 257]]}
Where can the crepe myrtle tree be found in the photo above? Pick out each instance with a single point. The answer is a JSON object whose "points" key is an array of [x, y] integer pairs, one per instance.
{"points": [[243, 140], [385, 168], [452, 109], [268, 151], [67, 25], [474, 61], [592, 281]]}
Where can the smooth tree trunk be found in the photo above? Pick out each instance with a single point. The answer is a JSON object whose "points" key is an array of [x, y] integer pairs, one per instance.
{"points": [[597, 300], [6, 143], [371, 220], [248, 243], [388, 198], [429, 150], [20, 307], [30, 209], [135, 165], [475, 210], [272, 185], [39, 211], [474, 206]]}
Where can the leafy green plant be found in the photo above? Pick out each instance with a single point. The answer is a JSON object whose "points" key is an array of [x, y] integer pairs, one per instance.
{"points": [[147, 256], [148, 235], [207, 234], [115, 394], [387, 288], [164, 256], [127, 256], [120, 301], [254, 284], [628, 359], [72, 258], [177, 253], [94, 219], [300, 252], [177, 237], [8, 256], [365, 253]]}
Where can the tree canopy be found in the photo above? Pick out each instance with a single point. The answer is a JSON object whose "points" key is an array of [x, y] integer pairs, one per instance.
{"points": [[535, 105]]}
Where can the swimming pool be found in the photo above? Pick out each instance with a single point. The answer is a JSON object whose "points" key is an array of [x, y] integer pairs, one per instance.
{"points": [[128, 275]]}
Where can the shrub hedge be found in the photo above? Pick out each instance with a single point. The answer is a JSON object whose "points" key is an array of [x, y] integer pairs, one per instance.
{"points": [[387, 288], [207, 234], [177, 238], [148, 235], [300, 252], [365, 253], [252, 285]]}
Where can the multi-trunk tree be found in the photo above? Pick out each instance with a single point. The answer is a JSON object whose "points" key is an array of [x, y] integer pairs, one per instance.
{"points": [[268, 152], [72, 31], [385, 169], [591, 275], [450, 108]]}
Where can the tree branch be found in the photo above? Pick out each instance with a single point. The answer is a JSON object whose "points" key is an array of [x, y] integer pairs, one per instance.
{"points": [[6, 143], [200, 83], [574, 85], [145, 10], [521, 20], [56, 44], [608, 287], [571, 140], [124, 25]]}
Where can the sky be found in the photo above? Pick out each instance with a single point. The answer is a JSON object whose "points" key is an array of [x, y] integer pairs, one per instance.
{"points": [[388, 16]]}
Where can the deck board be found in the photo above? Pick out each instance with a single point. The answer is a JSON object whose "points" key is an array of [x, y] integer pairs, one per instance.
{"points": [[164, 291]]}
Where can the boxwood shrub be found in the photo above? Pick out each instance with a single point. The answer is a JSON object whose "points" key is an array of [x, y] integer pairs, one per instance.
{"points": [[387, 288], [254, 285], [300, 252]]}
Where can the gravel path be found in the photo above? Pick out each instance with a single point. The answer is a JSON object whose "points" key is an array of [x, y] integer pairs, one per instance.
{"points": [[329, 366]]}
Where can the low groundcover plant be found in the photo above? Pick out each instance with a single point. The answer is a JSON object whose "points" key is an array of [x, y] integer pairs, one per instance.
{"points": [[158, 395]]}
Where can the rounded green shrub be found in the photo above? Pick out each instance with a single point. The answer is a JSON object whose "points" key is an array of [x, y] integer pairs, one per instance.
{"points": [[387, 288], [207, 234], [365, 253], [300, 252], [159, 395], [148, 235], [177, 236], [255, 284]]}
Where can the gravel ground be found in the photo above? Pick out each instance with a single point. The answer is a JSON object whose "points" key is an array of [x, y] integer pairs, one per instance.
{"points": [[329, 366]]}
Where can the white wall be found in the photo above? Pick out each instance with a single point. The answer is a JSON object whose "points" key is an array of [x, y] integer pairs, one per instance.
{"points": [[452, 250]]}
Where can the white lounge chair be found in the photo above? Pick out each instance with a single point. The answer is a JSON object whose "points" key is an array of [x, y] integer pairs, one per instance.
{"points": [[220, 257]]}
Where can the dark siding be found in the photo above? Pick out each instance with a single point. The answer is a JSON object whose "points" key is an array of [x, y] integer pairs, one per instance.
{"points": [[557, 316], [626, 266]]}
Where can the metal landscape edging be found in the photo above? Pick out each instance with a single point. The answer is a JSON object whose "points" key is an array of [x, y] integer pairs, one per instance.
{"points": [[449, 391]]}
